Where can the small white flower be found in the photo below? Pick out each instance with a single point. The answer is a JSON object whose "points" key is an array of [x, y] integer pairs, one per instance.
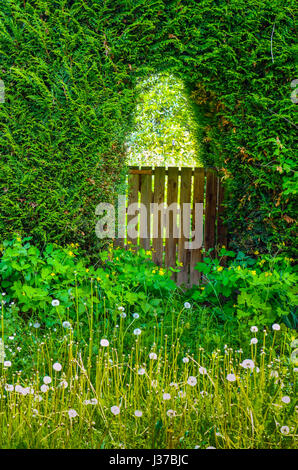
{"points": [[202, 370], [115, 410], [231, 377], [36, 325], [286, 399], [210, 447], [171, 413], [63, 384], [185, 360], [86, 402], [7, 364], [276, 327], [55, 302], [154, 383], [9, 387], [137, 331], [57, 366], [204, 393], [248, 364], [284, 430], [18, 388], [138, 413], [181, 394], [136, 315], [104, 342], [153, 356], [93, 401], [141, 371], [44, 388], [187, 305], [47, 380], [253, 341], [121, 309], [192, 381], [72, 413], [254, 329], [123, 315], [66, 325], [274, 374], [166, 396]]}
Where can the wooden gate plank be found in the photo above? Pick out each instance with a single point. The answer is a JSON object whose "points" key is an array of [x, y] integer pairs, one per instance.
{"points": [[133, 198], [172, 197], [185, 197], [210, 212], [158, 218], [146, 198], [198, 198], [222, 239]]}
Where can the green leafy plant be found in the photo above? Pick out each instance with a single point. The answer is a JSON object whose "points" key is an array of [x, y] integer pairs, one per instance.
{"points": [[257, 290]]}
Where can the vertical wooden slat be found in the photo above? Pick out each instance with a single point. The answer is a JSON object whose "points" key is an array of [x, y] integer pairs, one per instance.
{"points": [[221, 228], [158, 219], [185, 197], [172, 197], [146, 198], [210, 212], [133, 197], [198, 198]]}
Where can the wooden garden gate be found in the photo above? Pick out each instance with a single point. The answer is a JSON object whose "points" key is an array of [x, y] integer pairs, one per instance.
{"points": [[170, 185]]}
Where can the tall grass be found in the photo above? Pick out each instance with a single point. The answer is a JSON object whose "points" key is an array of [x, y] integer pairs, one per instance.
{"points": [[126, 393]]}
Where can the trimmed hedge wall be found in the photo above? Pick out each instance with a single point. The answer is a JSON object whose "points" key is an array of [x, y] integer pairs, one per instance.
{"points": [[70, 68]]}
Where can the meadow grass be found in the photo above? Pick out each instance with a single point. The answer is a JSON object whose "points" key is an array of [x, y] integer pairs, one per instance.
{"points": [[117, 385]]}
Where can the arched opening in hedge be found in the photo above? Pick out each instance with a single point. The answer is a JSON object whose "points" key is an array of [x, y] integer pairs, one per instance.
{"points": [[166, 131]]}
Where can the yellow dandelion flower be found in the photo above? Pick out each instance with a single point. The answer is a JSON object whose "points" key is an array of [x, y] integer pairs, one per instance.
{"points": [[253, 273], [256, 252], [53, 274], [87, 270], [220, 268], [70, 253]]}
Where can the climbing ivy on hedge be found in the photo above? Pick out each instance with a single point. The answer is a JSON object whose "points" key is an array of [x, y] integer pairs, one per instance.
{"points": [[70, 68]]}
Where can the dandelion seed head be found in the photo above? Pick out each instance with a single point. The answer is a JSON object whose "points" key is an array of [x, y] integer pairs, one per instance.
{"points": [[231, 377], [115, 410], [286, 399], [72, 413], [166, 396], [192, 381]]}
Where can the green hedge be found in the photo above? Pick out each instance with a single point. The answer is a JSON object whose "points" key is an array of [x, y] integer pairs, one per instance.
{"points": [[70, 69]]}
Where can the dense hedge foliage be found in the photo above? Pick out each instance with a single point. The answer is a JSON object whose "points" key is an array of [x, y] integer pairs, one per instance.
{"points": [[70, 68]]}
